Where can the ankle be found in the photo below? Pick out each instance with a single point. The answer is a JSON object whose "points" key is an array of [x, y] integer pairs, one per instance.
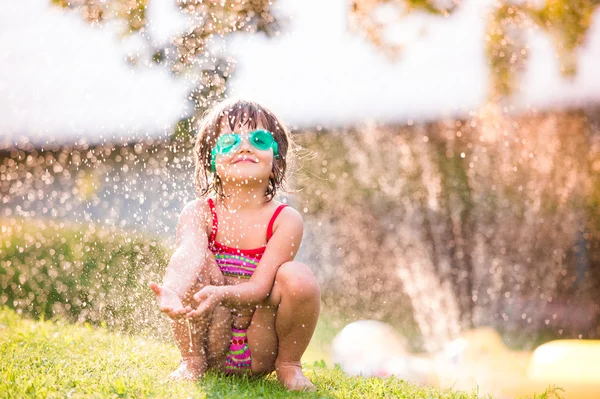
{"points": [[282, 363], [195, 361], [192, 357]]}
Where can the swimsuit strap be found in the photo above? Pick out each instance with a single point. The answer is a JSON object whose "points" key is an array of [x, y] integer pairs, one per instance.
{"points": [[215, 221], [272, 221]]}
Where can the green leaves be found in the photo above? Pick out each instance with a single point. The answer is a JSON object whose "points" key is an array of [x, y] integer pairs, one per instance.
{"points": [[189, 52], [566, 22], [79, 272]]}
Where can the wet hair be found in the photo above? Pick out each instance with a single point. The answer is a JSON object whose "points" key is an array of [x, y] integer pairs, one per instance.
{"points": [[235, 113]]}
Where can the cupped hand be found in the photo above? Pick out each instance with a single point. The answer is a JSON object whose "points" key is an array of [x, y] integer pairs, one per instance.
{"points": [[168, 302], [209, 297]]}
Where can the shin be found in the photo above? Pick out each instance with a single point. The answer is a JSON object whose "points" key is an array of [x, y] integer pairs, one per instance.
{"points": [[192, 336]]}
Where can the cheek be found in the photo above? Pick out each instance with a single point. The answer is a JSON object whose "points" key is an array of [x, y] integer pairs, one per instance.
{"points": [[221, 164], [224, 159], [267, 158]]}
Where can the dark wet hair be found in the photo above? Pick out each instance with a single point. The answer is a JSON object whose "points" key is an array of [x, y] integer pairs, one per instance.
{"points": [[236, 112]]}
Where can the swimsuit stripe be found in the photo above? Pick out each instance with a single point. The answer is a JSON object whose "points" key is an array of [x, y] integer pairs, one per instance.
{"points": [[240, 351], [230, 266], [236, 266], [236, 258], [236, 262], [238, 275]]}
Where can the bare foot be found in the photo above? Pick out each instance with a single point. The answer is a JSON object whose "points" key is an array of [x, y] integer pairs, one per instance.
{"points": [[189, 369], [291, 377]]}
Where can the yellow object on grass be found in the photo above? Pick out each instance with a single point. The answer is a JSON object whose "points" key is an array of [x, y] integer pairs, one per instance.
{"points": [[480, 360], [573, 365]]}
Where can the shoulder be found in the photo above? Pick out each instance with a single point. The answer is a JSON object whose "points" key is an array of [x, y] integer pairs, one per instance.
{"points": [[290, 218], [196, 209]]}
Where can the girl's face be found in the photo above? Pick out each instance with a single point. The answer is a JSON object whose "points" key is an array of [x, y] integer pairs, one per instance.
{"points": [[246, 163]]}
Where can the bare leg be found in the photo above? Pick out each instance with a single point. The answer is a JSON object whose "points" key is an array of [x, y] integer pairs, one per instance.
{"points": [[262, 339], [190, 340], [282, 329], [203, 341], [219, 336]]}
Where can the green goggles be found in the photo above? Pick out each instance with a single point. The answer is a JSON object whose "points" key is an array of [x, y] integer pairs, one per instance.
{"points": [[228, 143]]}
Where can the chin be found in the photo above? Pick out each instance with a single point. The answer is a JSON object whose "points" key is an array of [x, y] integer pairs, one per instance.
{"points": [[243, 177]]}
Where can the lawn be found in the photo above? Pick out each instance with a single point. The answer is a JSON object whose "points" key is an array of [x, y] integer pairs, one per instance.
{"points": [[48, 359]]}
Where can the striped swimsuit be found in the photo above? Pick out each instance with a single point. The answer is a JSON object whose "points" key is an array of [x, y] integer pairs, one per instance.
{"points": [[241, 263]]}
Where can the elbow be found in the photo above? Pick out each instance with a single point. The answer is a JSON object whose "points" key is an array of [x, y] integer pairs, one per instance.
{"points": [[262, 293]]}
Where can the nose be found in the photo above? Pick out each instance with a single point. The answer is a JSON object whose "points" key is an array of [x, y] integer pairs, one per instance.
{"points": [[245, 144]]}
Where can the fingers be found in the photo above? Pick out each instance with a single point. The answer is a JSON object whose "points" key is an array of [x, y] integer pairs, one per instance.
{"points": [[176, 314], [200, 295], [195, 313], [155, 287], [200, 311]]}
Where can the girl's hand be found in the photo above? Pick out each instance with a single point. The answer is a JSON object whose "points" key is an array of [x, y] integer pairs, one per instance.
{"points": [[168, 302], [209, 298]]}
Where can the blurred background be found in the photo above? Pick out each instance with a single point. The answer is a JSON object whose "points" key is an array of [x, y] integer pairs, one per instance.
{"points": [[447, 170]]}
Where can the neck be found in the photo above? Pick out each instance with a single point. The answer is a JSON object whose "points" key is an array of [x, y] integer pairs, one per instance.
{"points": [[241, 197]]}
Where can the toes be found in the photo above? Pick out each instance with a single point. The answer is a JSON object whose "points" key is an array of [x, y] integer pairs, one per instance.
{"points": [[291, 377], [187, 371], [301, 383]]}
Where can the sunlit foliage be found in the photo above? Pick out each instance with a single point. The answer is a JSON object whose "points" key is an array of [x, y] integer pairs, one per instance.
{"points": [[363, 18], [133, 12], [565, 21], [79, 272], [191, 52]]}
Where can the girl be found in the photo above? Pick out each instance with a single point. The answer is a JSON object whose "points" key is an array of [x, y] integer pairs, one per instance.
{"points": [[237, 299]]}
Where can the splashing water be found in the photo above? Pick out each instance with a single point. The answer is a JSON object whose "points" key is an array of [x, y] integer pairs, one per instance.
{"points": [[434, 227]]}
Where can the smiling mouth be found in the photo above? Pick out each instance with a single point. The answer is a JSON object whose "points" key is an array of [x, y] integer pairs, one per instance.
{"points": [[245, 160]]}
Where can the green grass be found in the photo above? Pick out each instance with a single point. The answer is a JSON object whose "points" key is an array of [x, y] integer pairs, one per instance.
{"points": [[45, 359]]}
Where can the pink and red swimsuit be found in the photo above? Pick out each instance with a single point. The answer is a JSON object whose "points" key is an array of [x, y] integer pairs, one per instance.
{"points": [[235, 262]]}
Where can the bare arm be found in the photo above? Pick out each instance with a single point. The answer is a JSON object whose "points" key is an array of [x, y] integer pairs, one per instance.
{"points": [[191, 249], [184, 267], [281, 248]]}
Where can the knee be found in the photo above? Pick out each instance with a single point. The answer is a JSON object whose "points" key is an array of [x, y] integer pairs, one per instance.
{"points": [[295, 279], [260, 369]]}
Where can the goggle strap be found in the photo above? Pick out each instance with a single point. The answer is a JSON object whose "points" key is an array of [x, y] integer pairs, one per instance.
{"points": [[213, 156]]}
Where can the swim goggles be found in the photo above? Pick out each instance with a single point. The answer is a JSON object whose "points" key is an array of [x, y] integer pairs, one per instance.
{"points": [[230, 142]]}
